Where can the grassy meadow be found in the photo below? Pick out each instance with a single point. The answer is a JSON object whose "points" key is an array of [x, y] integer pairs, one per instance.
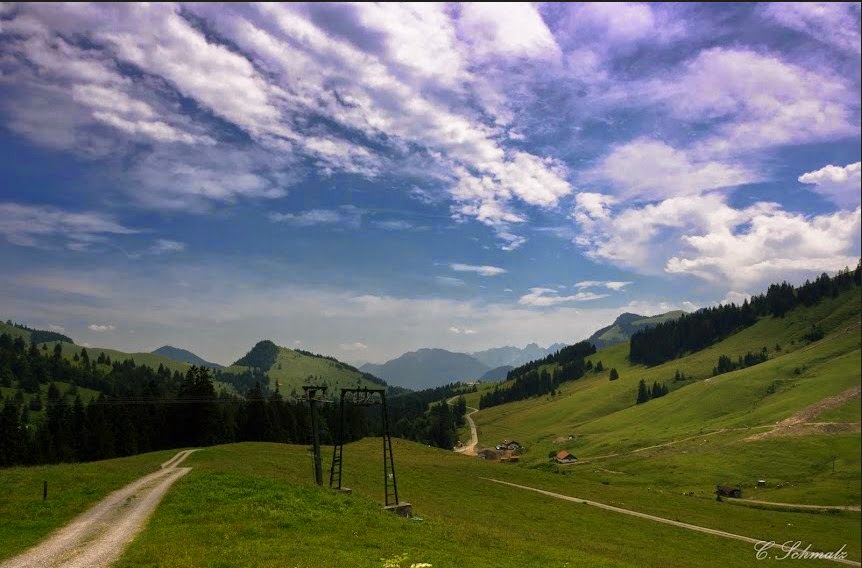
{"points": [[254, 504]]}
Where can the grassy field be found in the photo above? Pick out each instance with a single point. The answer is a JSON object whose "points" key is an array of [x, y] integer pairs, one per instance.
{"points": [[72, 489], [293, 369], [254, 504]]}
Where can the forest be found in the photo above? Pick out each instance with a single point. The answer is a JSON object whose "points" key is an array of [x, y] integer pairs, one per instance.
{"points": [[693, 332]]}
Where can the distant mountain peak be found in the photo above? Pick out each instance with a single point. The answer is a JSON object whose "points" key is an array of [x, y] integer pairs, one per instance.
{"points": [[184, 356], [627, 324]]}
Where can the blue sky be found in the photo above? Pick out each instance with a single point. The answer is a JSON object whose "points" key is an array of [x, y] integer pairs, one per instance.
{"points": [[363, 180]]}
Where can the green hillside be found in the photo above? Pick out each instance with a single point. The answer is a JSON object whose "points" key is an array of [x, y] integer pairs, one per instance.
{"points": [[151, 360], [14, 331], [148, 359], [626, 324], [603, 419], [291, 369]]}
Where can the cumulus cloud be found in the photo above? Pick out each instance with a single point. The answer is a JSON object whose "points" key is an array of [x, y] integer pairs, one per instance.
{"points": [[481, 270], [41, 226], [99, 328], [705, 237], [650, 169], [839, 184], [545, 297], [355, 346], [55, 327]]}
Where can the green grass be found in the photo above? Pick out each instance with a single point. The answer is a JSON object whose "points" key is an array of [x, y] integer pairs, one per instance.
{"points": [[850, 411], [72, 489], [292, 370], [254, 504]]}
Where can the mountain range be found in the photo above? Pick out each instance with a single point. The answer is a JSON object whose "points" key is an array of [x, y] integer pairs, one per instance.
{"points": [[420, 369]]}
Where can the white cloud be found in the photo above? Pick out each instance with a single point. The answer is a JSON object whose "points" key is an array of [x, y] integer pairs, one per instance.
{"points": [[544, 297], [833, 23], [394, 225], [839, 184], [514, 30], [404, 80], [734, 297], [54, 327], [481, 270], [355, 346], [40, 226], [618, 25], [650, 169], [166, 246], [705, 237], [461, 330], [99, 328], [347, 216], [449, 281], [609, 284], [758, 100]]}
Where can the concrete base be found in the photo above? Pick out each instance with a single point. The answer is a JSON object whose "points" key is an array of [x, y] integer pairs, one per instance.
{"points": [[345, 490], [402, 509]]}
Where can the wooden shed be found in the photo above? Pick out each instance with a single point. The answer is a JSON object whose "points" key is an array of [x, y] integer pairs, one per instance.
{"points": [[565, 457], [728, 491]]}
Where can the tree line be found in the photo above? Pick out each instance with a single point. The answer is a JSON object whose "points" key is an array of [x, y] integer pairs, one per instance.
{"points": [[140, 409], [532, 379], [693, 332]]}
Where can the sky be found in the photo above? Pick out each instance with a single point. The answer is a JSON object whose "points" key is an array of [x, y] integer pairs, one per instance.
{"points": [[362, 180]]}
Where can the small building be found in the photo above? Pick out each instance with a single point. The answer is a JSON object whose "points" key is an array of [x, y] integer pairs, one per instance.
{"points": [[509, 445], [728, 491], [565, 457], [761, 483]]}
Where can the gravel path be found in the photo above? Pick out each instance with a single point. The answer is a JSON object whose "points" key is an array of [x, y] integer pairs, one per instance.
{"points": [[98, 536]]}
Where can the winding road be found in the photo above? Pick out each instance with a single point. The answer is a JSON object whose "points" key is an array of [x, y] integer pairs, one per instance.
{"points": [[469, 449], [97, 537]]}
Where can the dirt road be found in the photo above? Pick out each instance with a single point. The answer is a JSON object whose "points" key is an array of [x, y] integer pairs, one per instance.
{"points": [[98, 536], [797, 505], [649, 517], [470, 449]]}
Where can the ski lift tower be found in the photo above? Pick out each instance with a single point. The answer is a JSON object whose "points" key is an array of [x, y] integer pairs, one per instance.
{"points": [[312, 397], [368, 397]]}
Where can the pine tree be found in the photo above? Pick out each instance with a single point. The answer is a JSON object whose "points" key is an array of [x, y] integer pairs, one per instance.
{"points": [[614, 374], [643, 392]]}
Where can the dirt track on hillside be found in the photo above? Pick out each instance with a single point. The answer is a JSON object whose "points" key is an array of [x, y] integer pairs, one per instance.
{"points": [[97, 537], [800, 423]]}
